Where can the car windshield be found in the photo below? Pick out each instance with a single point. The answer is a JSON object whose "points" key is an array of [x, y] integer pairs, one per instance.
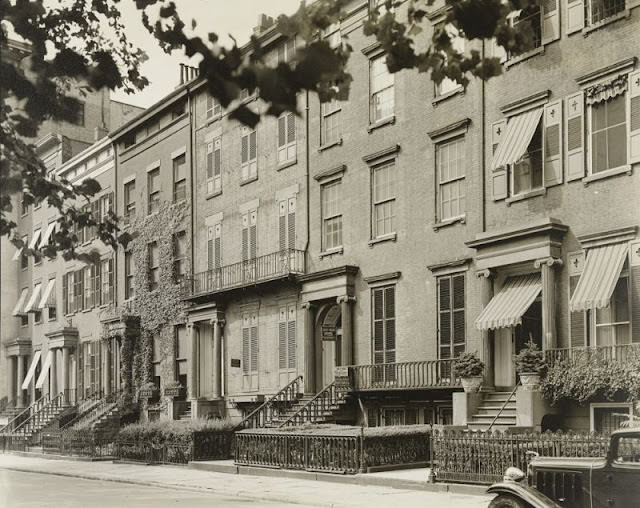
{"points": [[628, 450]]}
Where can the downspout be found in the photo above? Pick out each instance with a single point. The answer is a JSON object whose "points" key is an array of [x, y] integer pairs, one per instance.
{"points": [[483, 225], [308, 179], [192, 186]]}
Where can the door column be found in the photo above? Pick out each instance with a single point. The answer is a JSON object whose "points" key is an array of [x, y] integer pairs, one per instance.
{"points": [[193, 362], [53, 374], [107, 368], [309, 348], [10, 378], [65, 374], [546, 266], [218, 328], [19, 391], [346, 310], [486, 294]]}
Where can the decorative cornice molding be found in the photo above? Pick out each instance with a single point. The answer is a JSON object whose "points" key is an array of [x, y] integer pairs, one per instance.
{"points": [[345, 298], [547, 225], [382, 278], [372, 157], [330, 272], [617, 235], [548, 261], [619, 67], [535, 100], [437, 267], [334, 171], [451, 130]]}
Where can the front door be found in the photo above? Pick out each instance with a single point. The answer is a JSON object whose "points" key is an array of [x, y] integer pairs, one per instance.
{"points": [[505, 374], [331, 341]]}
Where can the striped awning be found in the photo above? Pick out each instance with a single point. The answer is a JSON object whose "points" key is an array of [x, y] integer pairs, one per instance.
{"points": [[507, 307], [18, 310], [516, 138], [32, 369], [599, 277], [45, 369]]}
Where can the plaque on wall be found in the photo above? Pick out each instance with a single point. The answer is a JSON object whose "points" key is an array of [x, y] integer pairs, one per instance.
{"points": [[328, 332], [235, 362]]}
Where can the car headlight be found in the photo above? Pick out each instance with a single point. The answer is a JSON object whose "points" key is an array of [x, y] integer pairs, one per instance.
{"points": [[513, 474]]}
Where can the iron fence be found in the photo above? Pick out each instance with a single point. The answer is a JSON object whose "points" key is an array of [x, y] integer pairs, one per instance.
{"points": [[622, 353], [482, 457], [422, 374], [148, 452], [79, 443]]}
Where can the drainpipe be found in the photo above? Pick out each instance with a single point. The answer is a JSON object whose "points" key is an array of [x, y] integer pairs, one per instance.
{"points": [[307, 176], [483, 128], [190, 105]]}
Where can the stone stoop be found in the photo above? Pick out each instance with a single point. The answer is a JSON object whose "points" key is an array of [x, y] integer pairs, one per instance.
{"points": [[490, 407], [340, 412]]}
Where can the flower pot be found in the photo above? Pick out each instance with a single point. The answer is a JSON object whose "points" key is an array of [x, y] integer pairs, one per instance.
{"points": [[530, 381], [471, 384]]}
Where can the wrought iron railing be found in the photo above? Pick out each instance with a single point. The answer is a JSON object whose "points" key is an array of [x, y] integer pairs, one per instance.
{"points": [[252, 271], [80, 443], [41, 417], [315, 410], [421, 374], [24, 415], [147, 452], [510, 398], [99, 408], [264, 414], [623, 353]]}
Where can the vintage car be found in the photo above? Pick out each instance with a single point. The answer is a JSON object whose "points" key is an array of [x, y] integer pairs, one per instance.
{"points": [[598, 482]]}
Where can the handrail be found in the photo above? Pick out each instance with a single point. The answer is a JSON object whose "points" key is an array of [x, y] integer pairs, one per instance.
{"points": [[85, 404], [55, 402], [42, 400], [285, 391], [95, 411], [504, 405], [327, 393]]}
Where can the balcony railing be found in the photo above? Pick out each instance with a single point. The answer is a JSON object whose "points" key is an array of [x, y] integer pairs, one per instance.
{"points": [[253, 271], [623, 353], [406, 375]]}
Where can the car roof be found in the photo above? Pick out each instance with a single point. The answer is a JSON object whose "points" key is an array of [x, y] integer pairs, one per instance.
{"points": [[623, 432]]}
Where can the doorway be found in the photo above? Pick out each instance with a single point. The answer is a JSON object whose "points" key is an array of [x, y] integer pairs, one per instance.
{"points": [[331, 344]]}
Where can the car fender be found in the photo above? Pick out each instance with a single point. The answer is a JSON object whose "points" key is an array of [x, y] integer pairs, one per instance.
{"points": [[524, 492]]}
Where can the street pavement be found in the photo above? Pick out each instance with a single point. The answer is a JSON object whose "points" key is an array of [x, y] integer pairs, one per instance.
{"points": [[218, 487]]}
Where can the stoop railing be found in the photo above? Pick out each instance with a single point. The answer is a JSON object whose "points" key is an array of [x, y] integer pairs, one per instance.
{"points": [[315, 409], [264, 414]]}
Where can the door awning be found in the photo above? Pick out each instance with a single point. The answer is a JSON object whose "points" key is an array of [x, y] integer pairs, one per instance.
{"points": [[599, 277], [45, 369], [516, 139], [19, 308], [32, 370], [30, 307], [46, 293], [507, 307]]}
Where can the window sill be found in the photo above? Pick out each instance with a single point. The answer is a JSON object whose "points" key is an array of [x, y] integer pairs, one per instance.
{"points": [[526, 195], [331, 252], [392, 237], [248, 180], [525, 56], [322, 148], [616, 17], [286, 164], [441, 98], [213, 195], [87, 310], [449, 222], [381, 123], [608, 173], [212, 119]]}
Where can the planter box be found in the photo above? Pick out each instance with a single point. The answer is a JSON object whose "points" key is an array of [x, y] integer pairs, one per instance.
{"points": [[174, 391], [149, 393]]}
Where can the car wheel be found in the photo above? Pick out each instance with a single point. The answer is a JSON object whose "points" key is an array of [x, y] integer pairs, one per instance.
{"points": [[506, 501]]}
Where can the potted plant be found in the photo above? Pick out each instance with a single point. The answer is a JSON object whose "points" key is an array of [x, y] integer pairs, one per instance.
{"points": [[148, 391], [174, 389], [530, 364], [470, 368]]}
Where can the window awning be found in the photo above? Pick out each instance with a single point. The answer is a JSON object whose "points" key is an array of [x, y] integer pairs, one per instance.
{"points": [[32, 370], [45, 369], [599, 277], [46, 293], [34, 239], [18, 309], [32, 301], [516, 139], [507, 307], [17, 254], [47, 235]]}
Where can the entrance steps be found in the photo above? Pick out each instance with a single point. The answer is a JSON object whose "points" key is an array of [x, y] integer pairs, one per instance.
{"points": [[491, 407], [185, 414]]}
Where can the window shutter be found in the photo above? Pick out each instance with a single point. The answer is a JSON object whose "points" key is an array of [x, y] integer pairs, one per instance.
{"points": [[444, 325], [291, 128], [282, 339], [291, 223], [252, 145], [245, 349], [282, 130], [110, 294], [291, 337], [552, 144], [575, 136], [96, 285], [498, 176], [550, 21], [372, 417], [210, 160], [378, 325], [65, 296], [282, 221], [210, 259], [576, 319], [245, 244], [575, 15], [634, 117], [209, 106], [254, 344], [218, 246], [459, 324], [92, 289], [245, 148], [217, 165], [253, 240], [635, 300]]}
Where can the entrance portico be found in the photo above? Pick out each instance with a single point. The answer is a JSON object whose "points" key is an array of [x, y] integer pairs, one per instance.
{"points": [[18, 352]]}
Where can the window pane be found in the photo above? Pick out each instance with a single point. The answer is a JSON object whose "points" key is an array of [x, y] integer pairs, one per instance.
{"points": [[598, 116], [617, 146], [616, 110], [599, 152], [620, 300]]}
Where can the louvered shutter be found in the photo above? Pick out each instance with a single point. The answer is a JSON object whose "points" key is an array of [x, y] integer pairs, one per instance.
{"points": [[282, 131], [217, 246], [245, 348], [378, 325], [110, 279], [459, 325], [550, 21], [253, 234], [291, 223], [92, 289], [210, 252], [97, 293], [575, 136], [499, 175], [444, 308], [552, 144], [210, 162], [245, 148], [79, 368], [254, 344], [575, 15], [252, 145], [282, 225], [291, 337], [245, 237], [65, 295], [291, 128], [209, 106], [634, 117], [635, 298], [282, 339], [390, 324], [217, 165], [576, 319]]}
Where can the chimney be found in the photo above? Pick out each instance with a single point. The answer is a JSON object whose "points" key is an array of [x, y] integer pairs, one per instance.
{"points": [[187, 73], [264, 22]]}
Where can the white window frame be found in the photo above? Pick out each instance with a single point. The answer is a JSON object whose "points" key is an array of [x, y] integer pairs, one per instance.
{"points": [[589, 14], [448, 86], [335, 183], [512, 168], [155, 268], [593, 405], [183, 181], [286, 50], [333, 114], [589, 138], [373, 93], [213, 107], [129, 287], [450, 181], [153, 194], [286, 151], [593, 315], [375, 204], [213, 173], [128, 195], [250, 165]]}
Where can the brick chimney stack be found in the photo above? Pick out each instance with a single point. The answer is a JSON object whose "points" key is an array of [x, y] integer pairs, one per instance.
{"points": [[187, 73], [264, 22]]}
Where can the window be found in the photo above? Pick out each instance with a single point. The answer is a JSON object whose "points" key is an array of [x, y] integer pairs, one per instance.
{"points": [[250, 344], [129, 139], [67, 295], [331, 211], [129, 269], [331, 129], [249, 154], [613, 323], [383, 199], [182, 354], [129, 201], [527, 172], [287, 224], [287, 51], [628, 450], [287, 337], [447, 85], [106, 271], [451, 166], [393, 416], [153, 127], [37, 258], [381, 90], [214, 166], [286, 137], [156, 358], [451, 316], [154, 266], [97, 281], [214, 247], [24, 257], [88, 276], [529, 23], [24, 320], [179, 256], [608, 134], [600, 10], [180, 178], [78, 119], [153, 189], [49, 300], [249, 235], [78, 289], [383, 327], [214, 108], [106, 206], [607, 417], [178, 110]]}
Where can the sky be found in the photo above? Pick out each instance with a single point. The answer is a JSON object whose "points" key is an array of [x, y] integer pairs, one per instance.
{"points": [[235, 17]]}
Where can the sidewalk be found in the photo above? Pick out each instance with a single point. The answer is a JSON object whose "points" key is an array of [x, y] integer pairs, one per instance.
{"points": [[346, 492]]}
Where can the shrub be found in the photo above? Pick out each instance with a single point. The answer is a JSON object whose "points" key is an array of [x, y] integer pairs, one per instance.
{"points": [[469, 365], [171, 430], [530, 359]]}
